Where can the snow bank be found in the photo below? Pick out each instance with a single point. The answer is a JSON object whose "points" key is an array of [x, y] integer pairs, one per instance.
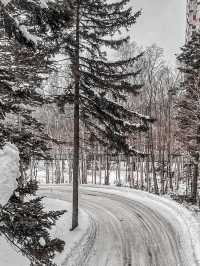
{"points": [[63, 225], [10, 256], [9, 171]]}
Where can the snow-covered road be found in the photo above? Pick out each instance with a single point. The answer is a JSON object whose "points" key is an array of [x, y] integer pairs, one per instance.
{"points": [[133, 228]]}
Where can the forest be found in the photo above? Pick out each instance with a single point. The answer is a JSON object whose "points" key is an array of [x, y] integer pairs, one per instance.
{"points": [[82, 104]]}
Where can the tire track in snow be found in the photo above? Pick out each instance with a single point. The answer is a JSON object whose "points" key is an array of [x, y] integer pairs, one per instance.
{"points": [[80, 251], [128, 233]]}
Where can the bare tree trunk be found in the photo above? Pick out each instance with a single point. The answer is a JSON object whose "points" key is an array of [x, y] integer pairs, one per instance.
{"points": [[85, 168], [52, 173], [169, 143], [178, 172], [95, 163], [92, 166], [70, 170], [47, 172], [21, 180], [137, 169], [82, 168], [31, 168], [118, 170], [107, 170], [126, 174], [76, 125], [195, 179], [100, 165], [153, 162], [132, 171], [141, 173], [163, 171], [63, 171], [57, 171]]}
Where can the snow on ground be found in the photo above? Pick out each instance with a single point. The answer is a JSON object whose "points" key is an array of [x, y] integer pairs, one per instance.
{"points": [[62, 228], [9, 171], [185, 221], [136, 226], [9, 255]]}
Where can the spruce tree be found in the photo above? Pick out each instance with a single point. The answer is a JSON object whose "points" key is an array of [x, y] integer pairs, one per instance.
{"points": [[26, 225], [188, 115], [101, 86], [30, 34]]}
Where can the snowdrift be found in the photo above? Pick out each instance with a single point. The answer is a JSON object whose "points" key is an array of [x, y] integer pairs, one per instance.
{"points": [[9, 171]]}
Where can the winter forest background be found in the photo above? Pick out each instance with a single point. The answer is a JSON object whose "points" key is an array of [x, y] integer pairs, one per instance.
{"points": [[73, 110]]}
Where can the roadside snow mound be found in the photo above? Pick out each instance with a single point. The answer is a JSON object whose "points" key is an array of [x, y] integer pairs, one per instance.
{"points": [[75, 240], [9, 171]]}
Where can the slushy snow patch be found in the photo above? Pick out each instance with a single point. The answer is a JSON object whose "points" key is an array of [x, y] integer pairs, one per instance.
{"points": [[9, 171]]}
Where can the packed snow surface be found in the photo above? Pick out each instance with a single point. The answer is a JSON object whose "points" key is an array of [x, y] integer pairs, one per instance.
{"points": [[135, 228], [9, 171]]}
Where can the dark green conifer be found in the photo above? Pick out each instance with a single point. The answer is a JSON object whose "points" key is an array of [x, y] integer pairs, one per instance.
{"points": [[101, 86]]}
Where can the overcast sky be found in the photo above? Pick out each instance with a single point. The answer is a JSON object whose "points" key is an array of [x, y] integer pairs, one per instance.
{"points": [[162, 22]]}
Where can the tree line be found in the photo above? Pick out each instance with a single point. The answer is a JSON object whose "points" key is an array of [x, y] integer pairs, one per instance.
{"points": [[167, 153], [33, 34], [64, 101]]}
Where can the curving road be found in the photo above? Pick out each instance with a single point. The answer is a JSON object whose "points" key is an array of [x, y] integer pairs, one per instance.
{"points": [[128, 232]]}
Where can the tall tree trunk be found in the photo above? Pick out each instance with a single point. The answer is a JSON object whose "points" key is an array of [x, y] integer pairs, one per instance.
{"points": [[152, 155], [163, 171], [70, 169], [63, 171], [196, 170], [100, 165], [47, 172], [118, 170], [169, 145], [107, 178], [194, 187], [82, 168], [76, 125], [195, 179], [141, 173], [21, 180], [137, 172], [95, 163]]}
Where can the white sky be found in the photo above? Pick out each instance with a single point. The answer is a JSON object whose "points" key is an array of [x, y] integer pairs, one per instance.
{"points": [[163, 23]]}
